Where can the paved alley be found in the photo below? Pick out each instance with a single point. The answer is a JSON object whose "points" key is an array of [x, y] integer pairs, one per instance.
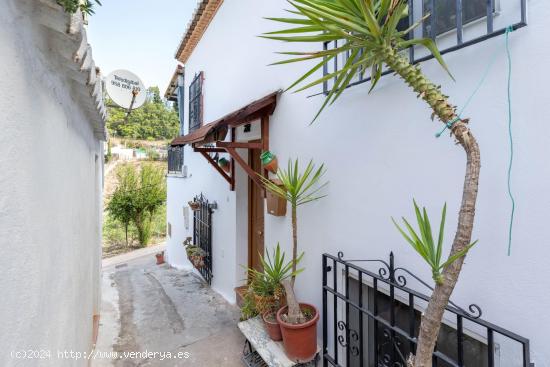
{"points": [[167, 317]]}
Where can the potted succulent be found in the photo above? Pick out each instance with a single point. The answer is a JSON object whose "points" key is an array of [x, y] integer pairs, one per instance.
{"points": [[269, 161], [160, 257], [196, 255], [269, 295], [225, 164], [298, 321]]}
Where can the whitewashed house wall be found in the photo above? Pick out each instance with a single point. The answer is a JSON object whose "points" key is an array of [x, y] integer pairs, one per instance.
{"points": [[380, 152], [51, 179]]}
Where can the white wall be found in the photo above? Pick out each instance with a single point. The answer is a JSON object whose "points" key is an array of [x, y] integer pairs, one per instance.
{"points": [[380, 152], [50, 189]]}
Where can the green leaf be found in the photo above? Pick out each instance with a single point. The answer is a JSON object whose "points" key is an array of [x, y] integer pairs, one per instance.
{"points": [[431, 46], [441, 232], [458, 255]]}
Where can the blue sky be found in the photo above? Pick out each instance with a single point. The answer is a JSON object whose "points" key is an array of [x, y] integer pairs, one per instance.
{"points": [[139, 35]]}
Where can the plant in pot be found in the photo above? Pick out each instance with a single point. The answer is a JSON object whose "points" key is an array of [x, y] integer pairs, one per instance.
{"points": [[269, 161], [268, 290], [225, 164], [196, 255], [298, 321], [194, 205]]}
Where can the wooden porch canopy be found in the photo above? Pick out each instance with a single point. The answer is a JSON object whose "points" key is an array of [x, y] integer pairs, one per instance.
{"points": [[215, 133]]}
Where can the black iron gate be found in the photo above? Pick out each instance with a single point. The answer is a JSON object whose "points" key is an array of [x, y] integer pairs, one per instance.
{"points": [[371, 319], [202, 234]]}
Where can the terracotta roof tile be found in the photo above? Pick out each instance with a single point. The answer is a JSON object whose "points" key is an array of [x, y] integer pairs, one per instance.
{"points": [[205, 12]]}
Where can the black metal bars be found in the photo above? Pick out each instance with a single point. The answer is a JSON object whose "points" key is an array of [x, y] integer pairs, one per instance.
{"points": [[202, 234], [434, 29], [175, 159], [371, 318]]}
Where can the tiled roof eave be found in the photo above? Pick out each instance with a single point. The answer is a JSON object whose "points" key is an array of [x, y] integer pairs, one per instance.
{"points": [[203, 15], [68, 35]]}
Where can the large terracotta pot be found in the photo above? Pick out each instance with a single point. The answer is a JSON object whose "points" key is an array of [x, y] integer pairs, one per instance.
{"points": [[272, 326], [300, 341]]}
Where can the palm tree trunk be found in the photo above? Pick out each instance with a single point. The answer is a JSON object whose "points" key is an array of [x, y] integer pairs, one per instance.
{"points": [[294, 243], [431, 94]]}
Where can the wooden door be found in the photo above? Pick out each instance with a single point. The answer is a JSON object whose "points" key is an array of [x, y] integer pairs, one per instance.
{"points": [[255, 214]]}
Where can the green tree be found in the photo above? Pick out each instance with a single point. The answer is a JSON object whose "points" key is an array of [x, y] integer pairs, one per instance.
{"points": [[153, 121], [368, 34], [139, 195], [121, 205]]}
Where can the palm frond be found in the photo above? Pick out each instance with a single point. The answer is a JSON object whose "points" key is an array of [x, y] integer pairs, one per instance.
{"points": [[365, 28], [424, 244]]}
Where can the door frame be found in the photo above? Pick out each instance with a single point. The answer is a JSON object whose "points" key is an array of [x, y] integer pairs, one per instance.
{"points": [[251, 184]]}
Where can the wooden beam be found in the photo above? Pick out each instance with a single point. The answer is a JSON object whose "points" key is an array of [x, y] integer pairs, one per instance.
{"points": [[251, 173], [265, 142], [209, 150], [233, 135], [225, 144], [217, 167], [265, 132]]}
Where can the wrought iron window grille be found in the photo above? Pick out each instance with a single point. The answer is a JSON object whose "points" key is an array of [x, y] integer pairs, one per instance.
{"points": [[434, 27], [196, 102], [380, 328], [202, 233], [175, 160]]}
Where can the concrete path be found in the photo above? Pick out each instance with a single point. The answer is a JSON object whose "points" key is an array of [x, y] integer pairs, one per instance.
{"points": [[167, 317]]}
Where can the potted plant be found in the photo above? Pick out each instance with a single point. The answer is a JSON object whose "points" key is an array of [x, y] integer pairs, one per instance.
{"points": [[269, 295], [196, 255], [225, 164], [298, 321], [269, 161], [194, 205], [160, 257]]}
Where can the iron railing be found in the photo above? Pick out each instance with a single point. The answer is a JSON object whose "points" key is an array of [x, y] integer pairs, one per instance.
{"points": [[175, 160], [202, 234], [372, 318], [433, 28]]}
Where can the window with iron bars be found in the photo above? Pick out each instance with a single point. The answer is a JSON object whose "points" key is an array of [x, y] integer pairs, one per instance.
{"points": [[175, 160], [447, 24], [196, 102]]}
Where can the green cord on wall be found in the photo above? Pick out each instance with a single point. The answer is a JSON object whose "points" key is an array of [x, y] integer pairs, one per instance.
{"points": [[449, 124]]}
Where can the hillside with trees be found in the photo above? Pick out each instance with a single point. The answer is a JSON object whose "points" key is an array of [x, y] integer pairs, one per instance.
{"points": [[155, 120]]}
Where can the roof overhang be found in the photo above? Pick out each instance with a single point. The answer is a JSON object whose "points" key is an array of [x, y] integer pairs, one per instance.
{"points": [[66, 34], [217, 130], [204, 13], [171, 90]]}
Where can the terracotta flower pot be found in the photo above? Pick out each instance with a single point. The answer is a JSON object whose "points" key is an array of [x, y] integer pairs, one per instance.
{"points": [[269, 161], [194, 205], [160, 258], [272, 326], [300, 341]]}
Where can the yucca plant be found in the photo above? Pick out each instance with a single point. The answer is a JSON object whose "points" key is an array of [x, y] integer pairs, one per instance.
{"points": [[298, 188], [424, 244], [371, 38], [269, 282]]}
